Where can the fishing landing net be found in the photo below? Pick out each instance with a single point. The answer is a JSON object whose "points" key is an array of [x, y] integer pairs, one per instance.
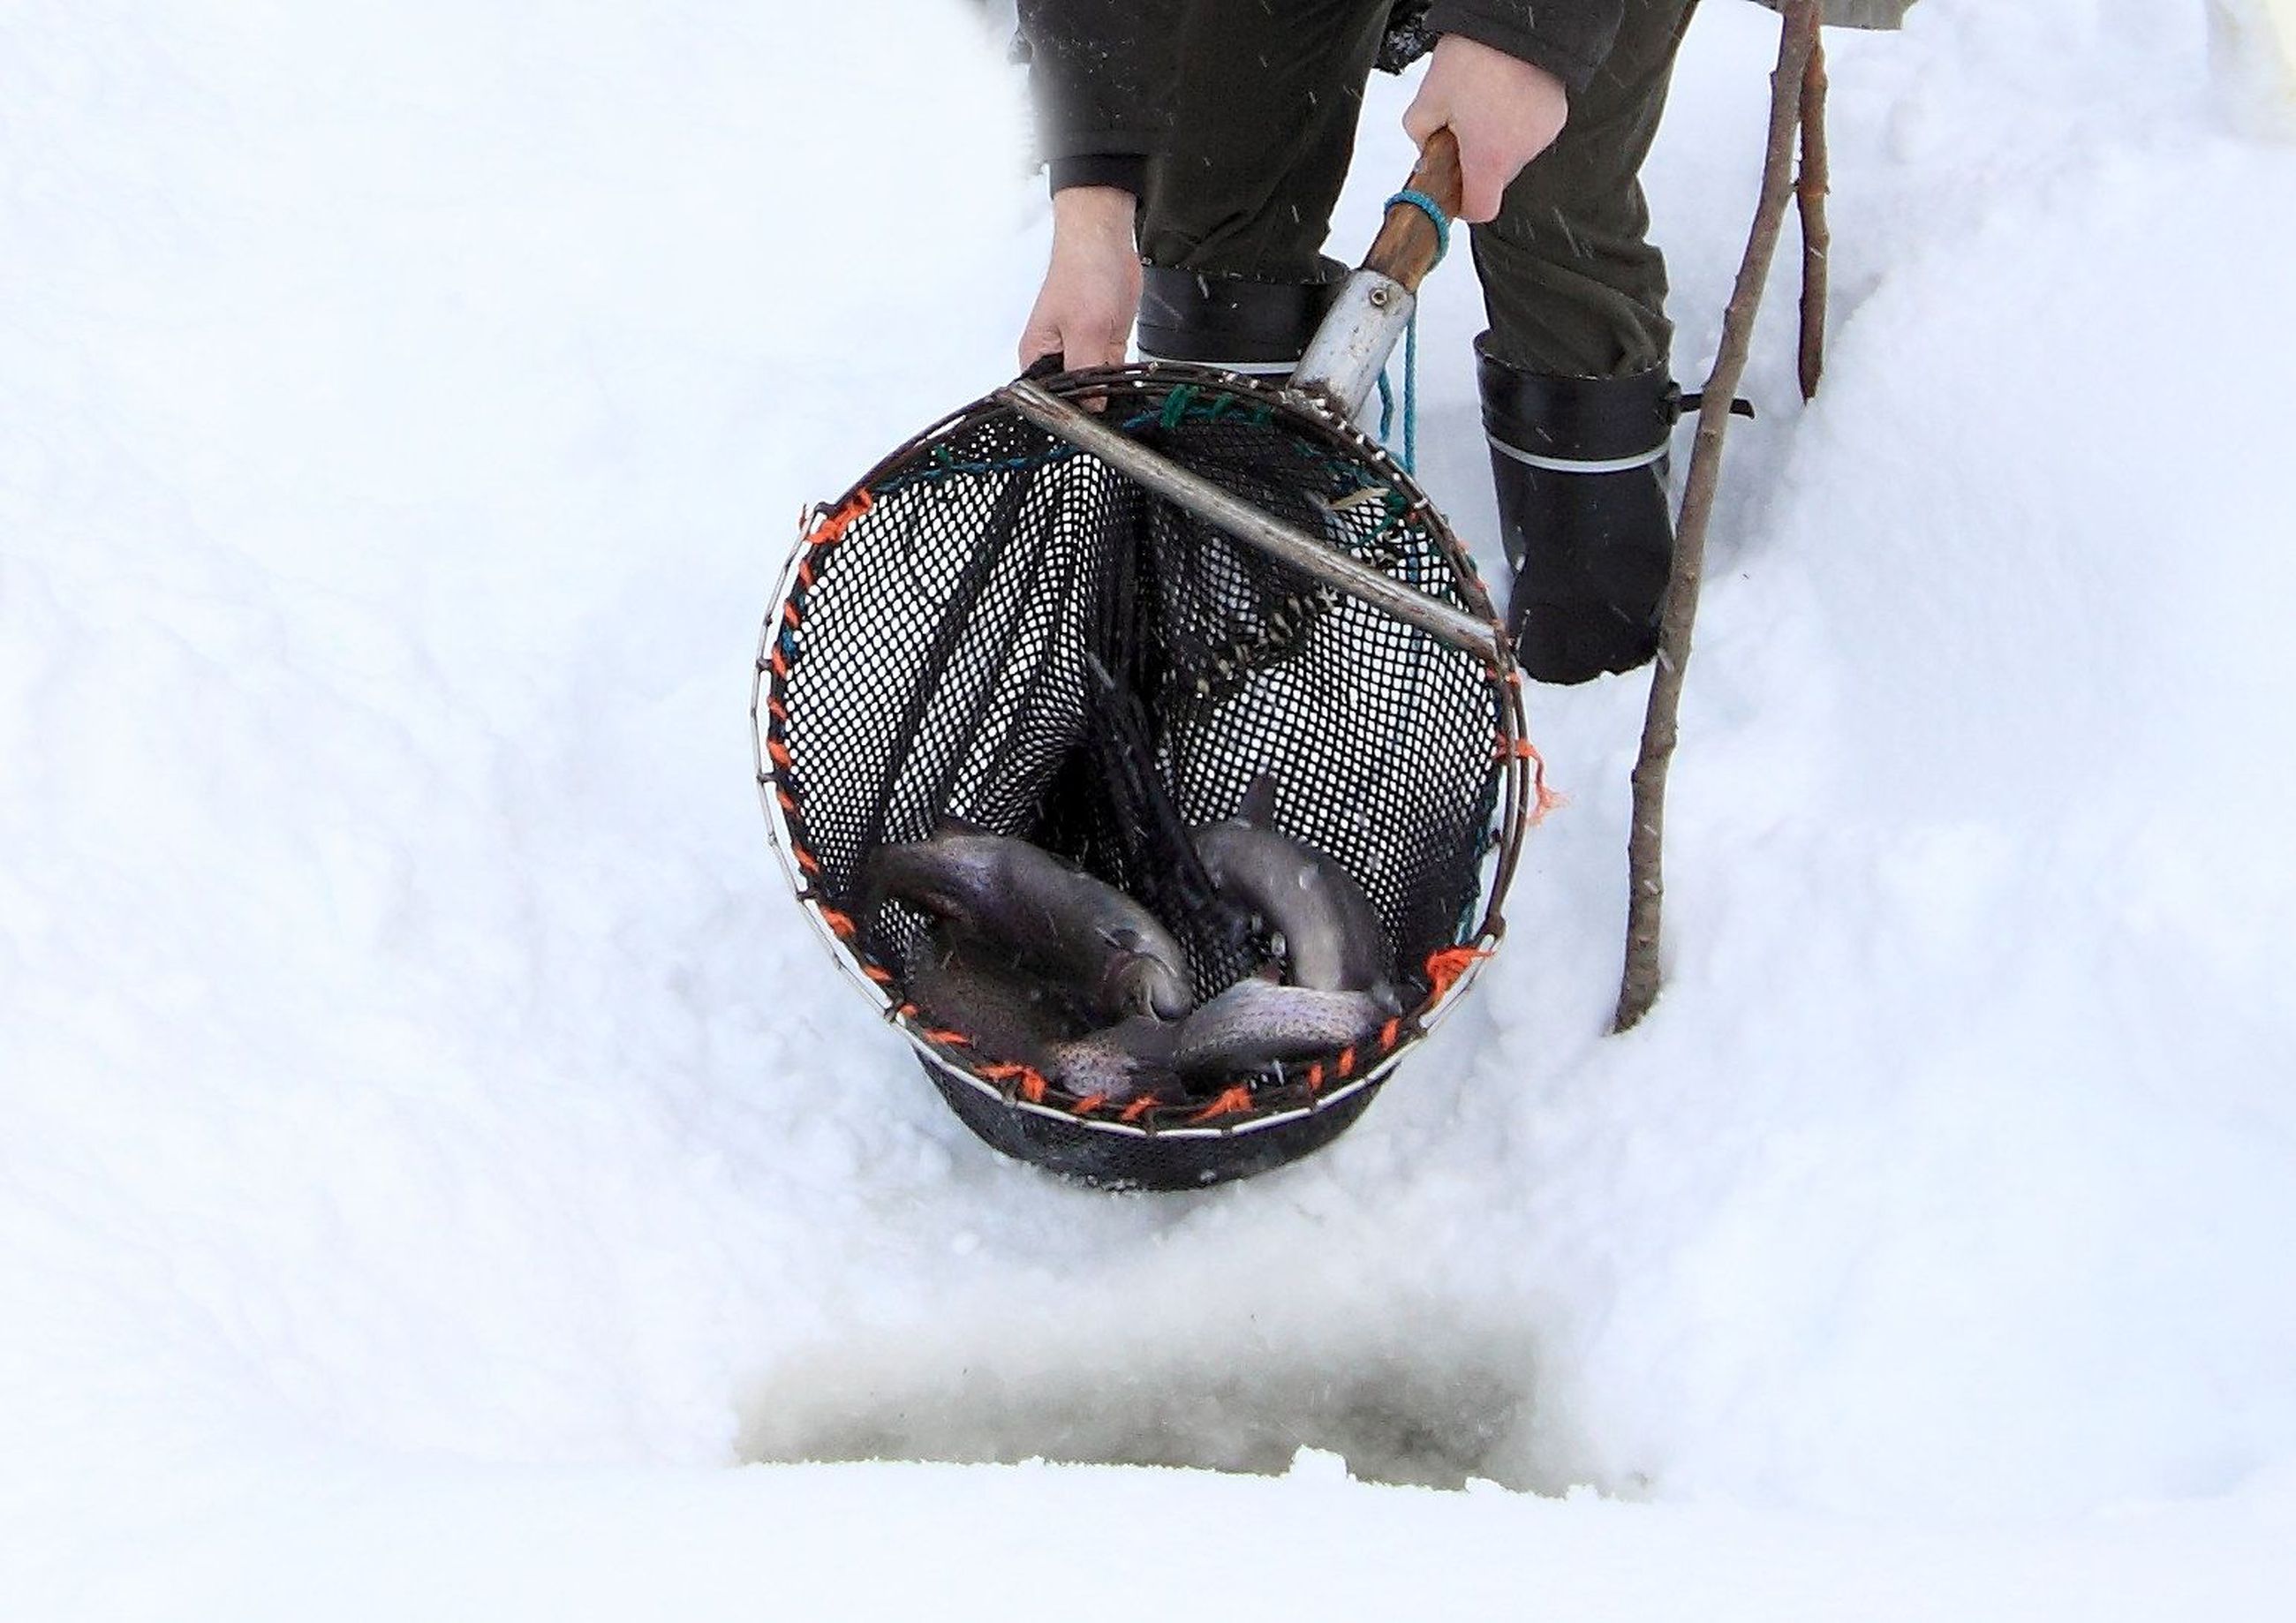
{"points": [[996, 627]]}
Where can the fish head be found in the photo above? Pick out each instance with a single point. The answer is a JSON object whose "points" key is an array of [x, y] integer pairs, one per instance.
{"points": [[1141, 980], [1143, 986]]}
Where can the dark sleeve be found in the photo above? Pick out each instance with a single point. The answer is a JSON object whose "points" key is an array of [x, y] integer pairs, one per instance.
{"points": [[1102, 73], [1569, 38]]}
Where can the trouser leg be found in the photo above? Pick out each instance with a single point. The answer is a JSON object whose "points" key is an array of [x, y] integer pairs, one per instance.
{"points": [[1572, 283], [1236, 213]]}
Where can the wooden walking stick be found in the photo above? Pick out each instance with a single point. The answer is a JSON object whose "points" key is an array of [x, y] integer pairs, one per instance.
{"points": [[1638, 986]]}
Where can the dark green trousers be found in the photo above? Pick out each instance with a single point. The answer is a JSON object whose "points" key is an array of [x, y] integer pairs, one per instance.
{"points": [[1271, 95]]}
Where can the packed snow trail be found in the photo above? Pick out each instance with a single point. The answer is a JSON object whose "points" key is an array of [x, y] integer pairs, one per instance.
{"points": [[435, 1147]]}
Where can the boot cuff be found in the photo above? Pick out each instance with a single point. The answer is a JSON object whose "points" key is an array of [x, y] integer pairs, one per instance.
{"points": [[1576, 419], [1191, 316]]}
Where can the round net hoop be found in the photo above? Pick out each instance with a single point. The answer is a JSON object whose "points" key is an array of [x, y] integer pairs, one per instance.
{"points": [[993, 626]]}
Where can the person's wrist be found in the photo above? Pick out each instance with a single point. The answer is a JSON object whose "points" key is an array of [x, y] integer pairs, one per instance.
{"points": [[1094, 212], [1496, 60], [1516, 52]]}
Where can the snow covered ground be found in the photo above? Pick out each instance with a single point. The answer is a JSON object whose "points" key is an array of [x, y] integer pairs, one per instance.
{"points": [[435, 1155]]}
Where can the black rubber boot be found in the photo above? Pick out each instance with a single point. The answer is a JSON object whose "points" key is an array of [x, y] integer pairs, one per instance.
{"points": [[1580, 467], [1257, 327]]}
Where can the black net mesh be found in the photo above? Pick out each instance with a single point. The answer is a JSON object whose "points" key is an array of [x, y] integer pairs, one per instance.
{"points": [[997, 628]]}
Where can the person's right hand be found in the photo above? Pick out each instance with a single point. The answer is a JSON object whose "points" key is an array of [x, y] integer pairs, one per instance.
{"points": [[1504, 112], [1091, 294]]}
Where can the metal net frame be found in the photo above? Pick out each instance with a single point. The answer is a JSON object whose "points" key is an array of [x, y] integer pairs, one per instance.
{"points": [[995, 626]]}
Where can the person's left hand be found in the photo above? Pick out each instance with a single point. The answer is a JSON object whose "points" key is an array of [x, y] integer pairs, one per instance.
{"points": [[1091, 293], [1504, 111]]}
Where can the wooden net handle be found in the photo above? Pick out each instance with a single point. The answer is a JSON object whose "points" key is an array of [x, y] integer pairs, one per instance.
{"points": [[1408, 244]]}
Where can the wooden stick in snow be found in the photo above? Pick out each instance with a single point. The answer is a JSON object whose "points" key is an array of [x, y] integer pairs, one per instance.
{"points": [[1817, 235], [1638, 986]]}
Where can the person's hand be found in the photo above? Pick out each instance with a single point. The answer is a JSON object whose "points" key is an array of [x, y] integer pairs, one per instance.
{"points": [[1091, 294], [1504, 111]]}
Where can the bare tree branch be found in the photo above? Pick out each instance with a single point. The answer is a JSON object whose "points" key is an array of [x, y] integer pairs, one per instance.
{"points": [[1817, 235], [1638, 986]]}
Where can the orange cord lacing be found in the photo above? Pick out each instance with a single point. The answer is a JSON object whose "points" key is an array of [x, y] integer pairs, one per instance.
{"points": [[1445, 967], [834, 525], [1031, 1082], [1236, 1099], [1547, 800]]}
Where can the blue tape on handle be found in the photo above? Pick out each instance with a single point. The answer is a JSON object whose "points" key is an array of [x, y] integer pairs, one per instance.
{"points": [[1434, 211]]}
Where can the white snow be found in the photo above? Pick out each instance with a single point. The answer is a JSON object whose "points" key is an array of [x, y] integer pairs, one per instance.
{"points": [[435, 1156]]}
